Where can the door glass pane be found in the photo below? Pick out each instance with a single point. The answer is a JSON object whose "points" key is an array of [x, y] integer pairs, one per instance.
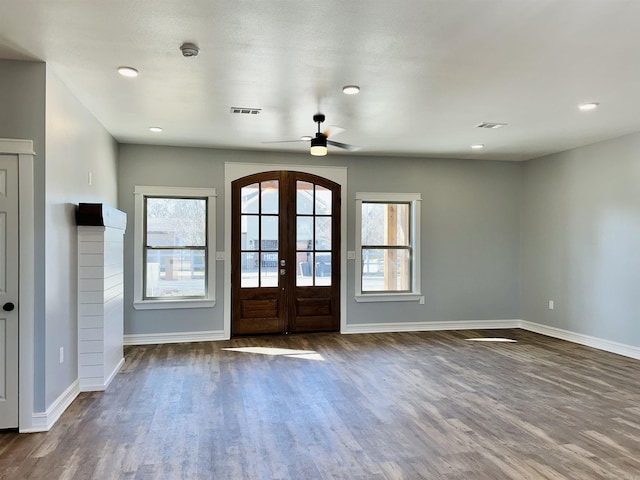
{"points": [[304, 233], [270, 199], [323, 233], [248, 269], [323, 201], [323, 268], [175, 273], [304, 273], [176, 222], [269, 238], [249, 232], [304, 198], [269, 270], [249, 198]]}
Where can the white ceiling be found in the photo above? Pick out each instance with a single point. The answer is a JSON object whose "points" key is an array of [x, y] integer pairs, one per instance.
{"points": [[429, 70]]}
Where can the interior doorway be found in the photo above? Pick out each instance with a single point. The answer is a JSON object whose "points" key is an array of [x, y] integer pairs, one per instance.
{"points": [[9, 281], [285, 255]]}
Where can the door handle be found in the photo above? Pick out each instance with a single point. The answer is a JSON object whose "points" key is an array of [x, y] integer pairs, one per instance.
{"points": [[7, 307], [282, 271]]}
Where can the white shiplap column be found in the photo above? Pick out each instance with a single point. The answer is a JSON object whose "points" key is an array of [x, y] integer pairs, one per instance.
{"points": [[100, 305]]}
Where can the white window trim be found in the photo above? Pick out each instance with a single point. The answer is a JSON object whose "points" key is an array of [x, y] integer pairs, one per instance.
{"points": [[156, 304], [415, 199]]}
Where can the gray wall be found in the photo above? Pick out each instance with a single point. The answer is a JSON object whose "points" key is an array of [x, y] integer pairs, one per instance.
{"points": [[76, 144], [580, 239], [68, 142], [470, 237], [22, 115], [468, 207]]}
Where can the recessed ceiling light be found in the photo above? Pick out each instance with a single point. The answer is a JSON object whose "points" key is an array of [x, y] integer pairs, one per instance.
{"points": [[128, 71], [588, 106], [350, 89], [477, 146], [155, 129], [306, 138]]}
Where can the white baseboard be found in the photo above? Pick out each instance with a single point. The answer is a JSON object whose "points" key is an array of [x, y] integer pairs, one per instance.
{"points": [[431, 326], [114, 373], [43, 421], [594, 342], [177, 337], [599, 343], [86, 385]]}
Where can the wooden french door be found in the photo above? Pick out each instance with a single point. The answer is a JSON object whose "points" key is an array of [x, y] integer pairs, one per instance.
{"points": [[285, 255]]}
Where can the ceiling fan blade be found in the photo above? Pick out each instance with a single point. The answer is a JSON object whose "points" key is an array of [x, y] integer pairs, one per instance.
{"points": [[287, 141], [333, 130], [350, 148]]}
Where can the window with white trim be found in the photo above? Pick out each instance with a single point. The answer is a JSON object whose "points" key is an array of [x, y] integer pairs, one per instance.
{"points": [[174, 247], [387, 247]]}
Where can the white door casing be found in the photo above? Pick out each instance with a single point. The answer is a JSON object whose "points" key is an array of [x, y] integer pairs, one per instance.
{"points": [[9, 268]]}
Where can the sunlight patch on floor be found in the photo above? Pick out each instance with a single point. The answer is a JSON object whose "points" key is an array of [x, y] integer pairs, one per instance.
{"points": [[284, 352], [492, 339]]}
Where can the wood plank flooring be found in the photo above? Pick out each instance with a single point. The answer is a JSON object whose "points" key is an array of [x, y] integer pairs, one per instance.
{"points": [[428, 405]]}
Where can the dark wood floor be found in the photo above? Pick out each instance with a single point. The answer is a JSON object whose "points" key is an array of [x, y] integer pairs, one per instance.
{"points": [[387, 406]]}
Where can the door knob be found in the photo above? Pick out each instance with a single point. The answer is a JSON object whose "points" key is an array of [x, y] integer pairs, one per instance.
{"points": [[7, 307]]}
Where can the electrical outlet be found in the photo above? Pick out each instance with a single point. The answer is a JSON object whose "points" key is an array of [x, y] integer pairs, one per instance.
{"points": [[90, 178], [422, 300], [551, 305], [61, 354]]}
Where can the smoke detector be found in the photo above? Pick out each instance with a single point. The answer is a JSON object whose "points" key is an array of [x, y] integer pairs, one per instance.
{"points": [[189, 50]]}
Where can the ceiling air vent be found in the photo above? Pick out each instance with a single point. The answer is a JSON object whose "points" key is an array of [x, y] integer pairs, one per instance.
{"points": [[245, 110], [491, 125]]}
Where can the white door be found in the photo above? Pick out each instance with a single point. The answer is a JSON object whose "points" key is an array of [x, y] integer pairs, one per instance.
{"points": [[8, 291]]}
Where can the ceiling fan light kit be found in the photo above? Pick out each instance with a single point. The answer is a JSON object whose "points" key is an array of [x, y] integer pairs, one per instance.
{"points": [[319, 145]]}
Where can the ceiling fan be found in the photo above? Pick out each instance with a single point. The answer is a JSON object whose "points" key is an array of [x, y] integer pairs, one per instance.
{"points": [[321, 140]]}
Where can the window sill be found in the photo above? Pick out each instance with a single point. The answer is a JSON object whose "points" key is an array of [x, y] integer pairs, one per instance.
{"points": [[389, 297], [172, 304]]}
